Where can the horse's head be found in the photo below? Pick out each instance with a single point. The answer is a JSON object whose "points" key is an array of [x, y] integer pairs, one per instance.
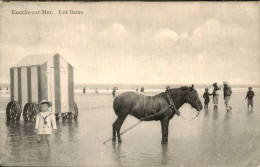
{"points": [[193, 99]]}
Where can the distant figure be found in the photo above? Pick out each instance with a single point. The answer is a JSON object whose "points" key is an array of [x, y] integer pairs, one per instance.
{"points": [[96, 91], [215, 94], [227, 94], [45, 121], [142, 89], [84, 90], [114, 92], [206, 97], [136, 89], [0, 88], [249, 96]]}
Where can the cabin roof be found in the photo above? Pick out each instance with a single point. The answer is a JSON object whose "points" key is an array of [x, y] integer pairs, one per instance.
{"points": [[34, 60]]}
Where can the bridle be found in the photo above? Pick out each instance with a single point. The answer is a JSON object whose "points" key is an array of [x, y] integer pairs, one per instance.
{"points": [[188, 97], [172, 105]]}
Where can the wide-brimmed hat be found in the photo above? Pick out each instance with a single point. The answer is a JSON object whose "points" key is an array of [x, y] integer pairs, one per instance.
{"points": [[225, 83], [46, 102]]}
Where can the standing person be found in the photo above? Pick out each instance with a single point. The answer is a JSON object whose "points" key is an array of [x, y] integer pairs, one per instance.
{"points": [[249, 96], [84, 90], [96, 91], [215, 94], [45, 121], [206, 97], [114, 92], [136, 89], [227, 94]]}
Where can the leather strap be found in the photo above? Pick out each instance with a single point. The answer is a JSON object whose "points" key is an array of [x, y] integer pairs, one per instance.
{"points": [[170, 100]]}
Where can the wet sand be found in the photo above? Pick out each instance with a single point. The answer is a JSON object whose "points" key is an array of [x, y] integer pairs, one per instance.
{"points": [[213, 139]]}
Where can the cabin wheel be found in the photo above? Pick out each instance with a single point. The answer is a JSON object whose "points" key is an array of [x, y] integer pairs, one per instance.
{"points": [[29, 112], [13, 111], [57, 117], [73, 114]]}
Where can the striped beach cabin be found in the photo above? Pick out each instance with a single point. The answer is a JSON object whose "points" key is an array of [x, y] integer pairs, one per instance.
{"points": [[41, 77]]}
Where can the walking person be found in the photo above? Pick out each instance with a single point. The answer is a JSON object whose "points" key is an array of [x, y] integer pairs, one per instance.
{"points": [[215, 94], [96, 91], [45, 121], [249, 96], [227, 94], [114, 92], [206, 97]]}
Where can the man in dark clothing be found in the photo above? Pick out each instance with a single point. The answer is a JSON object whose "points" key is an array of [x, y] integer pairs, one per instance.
{"points": [[227, 94], [206, 97], [215, 95], [249, 96], [114, 92]]}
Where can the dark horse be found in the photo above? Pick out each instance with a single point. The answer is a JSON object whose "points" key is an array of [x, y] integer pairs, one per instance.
{"points": [[141, 106]]}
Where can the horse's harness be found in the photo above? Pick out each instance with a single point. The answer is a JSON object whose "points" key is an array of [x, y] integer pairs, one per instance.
{"points": [[172, 105]]}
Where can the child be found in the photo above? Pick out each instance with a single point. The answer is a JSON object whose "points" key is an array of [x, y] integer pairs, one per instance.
{"points": [[215, 94], [206, 97], [45, 121], [249, 96]]}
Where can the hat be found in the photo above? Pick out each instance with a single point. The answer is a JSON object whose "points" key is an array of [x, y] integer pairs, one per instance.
{"points": [[206, 89], [225, 83], [215, 84], [46, 102]]}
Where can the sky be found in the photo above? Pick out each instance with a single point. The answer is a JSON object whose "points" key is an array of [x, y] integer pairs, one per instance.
{"points": [[139, 42]]}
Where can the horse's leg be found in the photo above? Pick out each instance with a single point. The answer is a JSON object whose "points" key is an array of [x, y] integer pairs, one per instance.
{"points": [[120, 122], [164, 125], [114, 126]]}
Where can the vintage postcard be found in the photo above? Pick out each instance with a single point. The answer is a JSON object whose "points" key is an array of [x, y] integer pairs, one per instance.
{"points": [[130, 84]]}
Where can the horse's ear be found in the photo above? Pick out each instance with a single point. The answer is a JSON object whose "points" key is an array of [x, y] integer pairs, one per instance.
{"points": [[192, 87]]}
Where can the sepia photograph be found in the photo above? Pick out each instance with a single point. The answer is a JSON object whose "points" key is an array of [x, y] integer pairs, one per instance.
{"points": [[130, 83]]}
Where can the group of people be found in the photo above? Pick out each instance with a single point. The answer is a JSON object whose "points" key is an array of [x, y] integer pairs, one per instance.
{"points": [[141, 90], [227, 95]]}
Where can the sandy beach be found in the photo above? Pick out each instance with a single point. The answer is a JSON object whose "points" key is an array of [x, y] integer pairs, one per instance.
{"points": [[213, 139]]}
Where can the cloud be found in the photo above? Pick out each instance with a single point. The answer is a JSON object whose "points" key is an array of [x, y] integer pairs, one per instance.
{"points": [[184, 36], [114, 31], [166, 33]]}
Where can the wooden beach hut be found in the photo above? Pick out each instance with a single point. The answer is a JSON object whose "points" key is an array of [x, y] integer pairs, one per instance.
{"points": [[41, 77]]}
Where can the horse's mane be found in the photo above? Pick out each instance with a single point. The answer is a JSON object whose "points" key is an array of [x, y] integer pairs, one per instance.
{"points": [[181, 88], [175, 89]]}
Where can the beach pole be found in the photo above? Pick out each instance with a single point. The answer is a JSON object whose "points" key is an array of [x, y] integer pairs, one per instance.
{"points": [[124, 131]]}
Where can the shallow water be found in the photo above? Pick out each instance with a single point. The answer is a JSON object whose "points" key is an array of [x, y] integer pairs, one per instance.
{"points": [[212, 139]]}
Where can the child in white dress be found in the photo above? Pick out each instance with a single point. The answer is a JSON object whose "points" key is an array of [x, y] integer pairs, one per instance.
{"points": [[45, 121]]}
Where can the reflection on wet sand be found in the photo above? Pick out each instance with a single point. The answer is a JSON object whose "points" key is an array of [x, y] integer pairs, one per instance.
{"points": [[117, 153], [215, 114], [164, 157]]}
